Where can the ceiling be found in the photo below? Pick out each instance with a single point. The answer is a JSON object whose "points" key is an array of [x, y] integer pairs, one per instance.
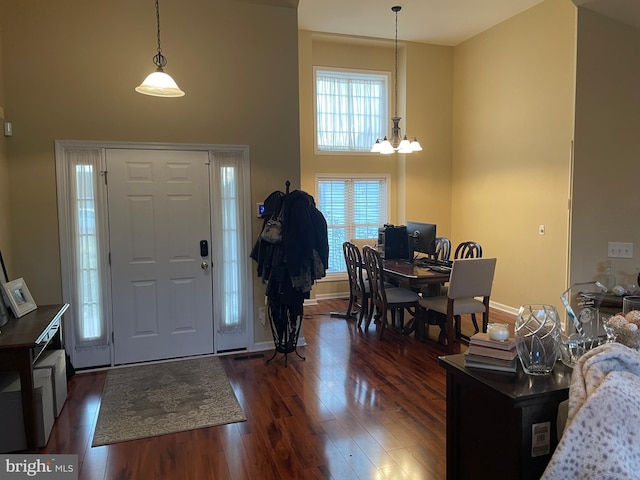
{"points": [[440, 22]]}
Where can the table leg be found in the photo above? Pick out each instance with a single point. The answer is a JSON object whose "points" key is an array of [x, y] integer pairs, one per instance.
{"points": [[451, 334]]}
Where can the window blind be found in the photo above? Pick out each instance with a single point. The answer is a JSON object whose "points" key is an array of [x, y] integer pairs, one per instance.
{"points": [[354, 208]]}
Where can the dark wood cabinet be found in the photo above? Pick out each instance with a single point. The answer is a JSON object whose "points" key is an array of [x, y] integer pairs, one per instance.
{"points": [[21, 343], [491, 417]]}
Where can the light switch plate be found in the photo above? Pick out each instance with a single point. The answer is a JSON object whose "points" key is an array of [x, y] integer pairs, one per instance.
{"points": [[620, 250]]}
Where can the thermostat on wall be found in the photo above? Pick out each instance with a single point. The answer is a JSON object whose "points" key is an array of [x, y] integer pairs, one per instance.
{"points": [[259, 210]]}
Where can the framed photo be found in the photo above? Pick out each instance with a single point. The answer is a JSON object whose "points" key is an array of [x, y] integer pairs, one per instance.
{"points": [[18, 297]]}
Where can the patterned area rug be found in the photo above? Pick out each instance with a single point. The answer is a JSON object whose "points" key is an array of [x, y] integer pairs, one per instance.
{"points": [[155, 399]]}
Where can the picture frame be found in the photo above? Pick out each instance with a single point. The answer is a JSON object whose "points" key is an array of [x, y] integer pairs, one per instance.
{"points": [[18, 297]]}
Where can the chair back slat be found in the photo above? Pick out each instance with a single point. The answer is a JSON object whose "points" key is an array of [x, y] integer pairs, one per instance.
{"points": [[375, 275], [468, 250], [353, 260], [442, 249]]}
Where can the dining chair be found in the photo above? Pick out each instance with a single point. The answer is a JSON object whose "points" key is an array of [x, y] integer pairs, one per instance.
{"points": [[468, 250], [442, 249], [470, 278], [359, 295], [384, 299]]}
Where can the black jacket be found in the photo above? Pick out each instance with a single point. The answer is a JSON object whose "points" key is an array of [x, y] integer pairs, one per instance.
{"points": [[304, 229]]}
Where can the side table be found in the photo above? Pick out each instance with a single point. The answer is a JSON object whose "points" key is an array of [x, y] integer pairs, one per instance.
{"points": [[500, 425], [21, 343]]}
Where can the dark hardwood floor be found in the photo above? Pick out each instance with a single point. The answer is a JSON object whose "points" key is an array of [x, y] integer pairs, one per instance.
{"points": [[356, 408]]}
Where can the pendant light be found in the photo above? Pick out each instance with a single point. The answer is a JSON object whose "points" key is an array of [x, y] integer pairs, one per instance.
{"points": [[158, 83], [397, 143]]}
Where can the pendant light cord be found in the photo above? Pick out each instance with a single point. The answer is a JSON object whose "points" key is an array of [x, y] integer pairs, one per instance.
{"points": [[159, 60], [396, 9]]}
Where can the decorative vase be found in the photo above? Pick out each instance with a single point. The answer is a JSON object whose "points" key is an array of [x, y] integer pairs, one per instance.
{"points": [[537, 334]]}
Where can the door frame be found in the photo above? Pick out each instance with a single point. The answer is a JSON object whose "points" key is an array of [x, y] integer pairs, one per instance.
{"points": [[103, 355]]}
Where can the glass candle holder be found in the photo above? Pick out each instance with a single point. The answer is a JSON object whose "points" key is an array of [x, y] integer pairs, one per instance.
{"points": [[630, 303], [498, 331]]}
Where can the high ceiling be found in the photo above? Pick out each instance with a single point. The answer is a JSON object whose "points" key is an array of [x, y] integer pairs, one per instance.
{"points": [[440, 22]]}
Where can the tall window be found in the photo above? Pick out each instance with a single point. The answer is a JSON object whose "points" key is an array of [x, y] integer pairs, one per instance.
{"points": [[354, 207], [88, 265], [230, 207], [87, 258], [351, 109]]}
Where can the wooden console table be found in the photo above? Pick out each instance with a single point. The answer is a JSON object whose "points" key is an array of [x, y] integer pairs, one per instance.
{"points": [[491, 417], [21, 342]]}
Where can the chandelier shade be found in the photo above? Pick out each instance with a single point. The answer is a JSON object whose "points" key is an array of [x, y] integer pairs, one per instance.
{"points": [[397, 143], [159, 83]]}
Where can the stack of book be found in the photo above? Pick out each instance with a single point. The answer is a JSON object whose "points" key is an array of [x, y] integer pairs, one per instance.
{"points": [[489, 354]]}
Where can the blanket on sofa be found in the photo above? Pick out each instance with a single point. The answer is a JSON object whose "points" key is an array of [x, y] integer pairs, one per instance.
{"points": [[601, 439]]}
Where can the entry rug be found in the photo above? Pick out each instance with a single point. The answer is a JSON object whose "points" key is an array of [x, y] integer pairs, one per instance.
{"points": [[156, 399]]}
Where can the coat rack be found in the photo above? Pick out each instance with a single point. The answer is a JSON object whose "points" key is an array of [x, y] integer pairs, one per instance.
{"points": [[291, 255], [285, 307]]}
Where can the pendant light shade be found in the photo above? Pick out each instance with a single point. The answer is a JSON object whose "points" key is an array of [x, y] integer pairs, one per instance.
{"points": [[397, 143], [159, 83]]}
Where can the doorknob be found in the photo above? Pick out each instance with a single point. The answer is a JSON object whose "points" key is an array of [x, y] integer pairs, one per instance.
{"points": [[204, 265]]}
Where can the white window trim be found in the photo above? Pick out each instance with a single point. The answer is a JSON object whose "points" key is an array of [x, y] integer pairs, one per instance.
{"points": [[342, 276], [355, 71]]}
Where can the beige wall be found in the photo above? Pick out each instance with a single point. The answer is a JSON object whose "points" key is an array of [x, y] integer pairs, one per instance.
{"points": [[70, 69], [607, 145], [512, 132], [494, 114], [5, 238], [420, 183]]}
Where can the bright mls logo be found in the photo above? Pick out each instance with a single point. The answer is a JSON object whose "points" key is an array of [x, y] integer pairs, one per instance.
{"points": [[51, 467]]}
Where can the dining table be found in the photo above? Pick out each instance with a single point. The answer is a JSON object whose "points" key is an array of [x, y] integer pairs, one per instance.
{"points": [[414, 276], [417, 277]]}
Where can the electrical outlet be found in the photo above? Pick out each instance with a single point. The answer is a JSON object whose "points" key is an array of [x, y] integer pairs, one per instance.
{"points": [[620, 250], [540, 439], [262, 315]]}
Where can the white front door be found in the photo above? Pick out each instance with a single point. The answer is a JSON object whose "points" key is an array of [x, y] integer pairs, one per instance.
{"points": [[161, 284]]}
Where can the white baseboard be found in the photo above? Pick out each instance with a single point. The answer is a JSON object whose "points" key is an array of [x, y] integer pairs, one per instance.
{"points": [[331, 296], [504, 308]]}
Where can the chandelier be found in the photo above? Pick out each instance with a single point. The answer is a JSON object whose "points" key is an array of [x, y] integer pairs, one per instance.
{"points": [[158, 83], [397, 143]]}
